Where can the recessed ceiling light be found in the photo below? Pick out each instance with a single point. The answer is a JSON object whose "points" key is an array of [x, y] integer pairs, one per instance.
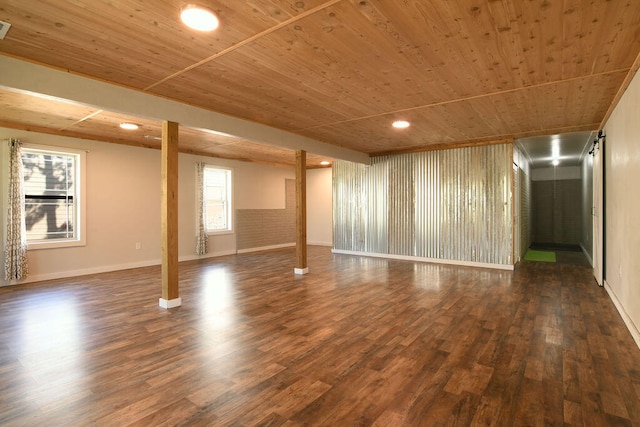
{"points": [[129, 126], [199, 18], [325, 163], [555, 162], [401, 124]]}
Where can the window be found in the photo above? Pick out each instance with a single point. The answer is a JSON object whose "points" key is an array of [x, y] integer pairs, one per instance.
{"points": [[217, 195], [53, 202]]}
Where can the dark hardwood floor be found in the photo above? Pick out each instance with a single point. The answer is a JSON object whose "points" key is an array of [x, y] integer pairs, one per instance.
{"points": [[357, 341]]}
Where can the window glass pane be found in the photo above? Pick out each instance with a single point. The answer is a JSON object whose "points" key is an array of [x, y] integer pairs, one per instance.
{"points": [[216, 216], [217, 192], [50, 199]]}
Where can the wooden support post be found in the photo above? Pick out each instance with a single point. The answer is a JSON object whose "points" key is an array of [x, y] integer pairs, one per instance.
{"points": [[169, 217], [301, 213]]}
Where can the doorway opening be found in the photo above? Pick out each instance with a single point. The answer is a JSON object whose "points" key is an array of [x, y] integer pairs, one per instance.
{"points": [[555, 193]]}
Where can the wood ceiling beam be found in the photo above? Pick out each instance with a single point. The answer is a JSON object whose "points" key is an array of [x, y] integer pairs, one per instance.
{"points": [[95, 137], [71, 134], [37, 79]]}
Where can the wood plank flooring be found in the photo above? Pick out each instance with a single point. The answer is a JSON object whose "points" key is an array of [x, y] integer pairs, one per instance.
{"points": [[357, 341]]}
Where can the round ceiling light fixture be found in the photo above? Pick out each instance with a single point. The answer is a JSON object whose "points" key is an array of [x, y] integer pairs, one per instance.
{"points": [[129, 126], [401, 124], [199, 18]]}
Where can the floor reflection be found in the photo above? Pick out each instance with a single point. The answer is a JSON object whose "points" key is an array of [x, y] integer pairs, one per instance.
{"points": [[218, 311], [50, 347]]}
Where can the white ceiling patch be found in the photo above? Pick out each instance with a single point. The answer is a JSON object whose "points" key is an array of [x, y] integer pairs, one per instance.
{"points": [[4, 27]]}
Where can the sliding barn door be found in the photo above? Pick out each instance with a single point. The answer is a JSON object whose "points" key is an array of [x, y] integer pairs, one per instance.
{"points": [[598, 213]]}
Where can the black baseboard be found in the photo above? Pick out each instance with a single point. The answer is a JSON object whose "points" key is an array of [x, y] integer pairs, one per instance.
{"points": [[539, 246]]}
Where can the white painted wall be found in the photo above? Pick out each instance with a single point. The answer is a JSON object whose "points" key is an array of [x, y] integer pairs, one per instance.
{"points": [[123, 206], [319, 207], [520, 159], [586, 236], [622, 174]]}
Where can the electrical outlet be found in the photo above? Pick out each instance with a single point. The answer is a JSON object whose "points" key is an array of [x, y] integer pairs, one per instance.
{"points": [[138, 245]]}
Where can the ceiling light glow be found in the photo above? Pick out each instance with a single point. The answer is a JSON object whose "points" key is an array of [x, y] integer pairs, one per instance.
{"points": [[129, 126], [199, 18], [325, 163], [401, 124], [555, 150]]}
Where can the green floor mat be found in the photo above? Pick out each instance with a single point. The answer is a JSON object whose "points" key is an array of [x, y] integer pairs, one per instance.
{"points": [[545, 256]]}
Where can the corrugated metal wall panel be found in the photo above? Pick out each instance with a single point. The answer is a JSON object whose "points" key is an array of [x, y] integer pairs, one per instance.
{"points": [[427, 204], [349, 206], [377, 188], [401, 205], [450, 204]]}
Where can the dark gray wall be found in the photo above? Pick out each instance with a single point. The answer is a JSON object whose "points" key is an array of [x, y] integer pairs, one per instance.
{"points": [[556, 214]]}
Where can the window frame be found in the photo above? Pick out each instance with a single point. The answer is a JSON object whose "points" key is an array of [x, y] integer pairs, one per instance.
{"points": [[79, 197], [230, 198]]}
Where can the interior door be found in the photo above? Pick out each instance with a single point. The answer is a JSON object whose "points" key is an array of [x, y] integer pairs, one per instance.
{"points": [[598, 212], [516, 214]]}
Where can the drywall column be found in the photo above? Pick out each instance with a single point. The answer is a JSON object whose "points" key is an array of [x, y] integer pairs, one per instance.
{"points": [[301, 213], [169, 216]]}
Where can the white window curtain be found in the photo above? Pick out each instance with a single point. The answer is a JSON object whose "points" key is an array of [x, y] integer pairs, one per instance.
{"points": [[15, 260], [202, 239]]}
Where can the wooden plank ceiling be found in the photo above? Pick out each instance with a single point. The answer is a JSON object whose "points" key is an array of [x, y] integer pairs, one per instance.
{"points": [[337, 71]]}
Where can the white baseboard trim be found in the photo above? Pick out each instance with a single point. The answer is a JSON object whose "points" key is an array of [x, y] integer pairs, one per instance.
{"points": [[431, 260], [128, 266], [107, 269], [170, 303], [329, 244], [208, 255], [265, 248], [84, 272], [635, 333], [586, 254]]}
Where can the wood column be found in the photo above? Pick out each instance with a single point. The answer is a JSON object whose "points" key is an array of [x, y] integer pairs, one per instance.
{"points": [[301, 213], [169, 217]]}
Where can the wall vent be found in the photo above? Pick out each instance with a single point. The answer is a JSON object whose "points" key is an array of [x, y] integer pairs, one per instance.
{"points": [[4, 27]]}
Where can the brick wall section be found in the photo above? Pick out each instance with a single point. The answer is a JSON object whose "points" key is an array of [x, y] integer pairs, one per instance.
{"points": [[257, 228], [556, 211]]}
